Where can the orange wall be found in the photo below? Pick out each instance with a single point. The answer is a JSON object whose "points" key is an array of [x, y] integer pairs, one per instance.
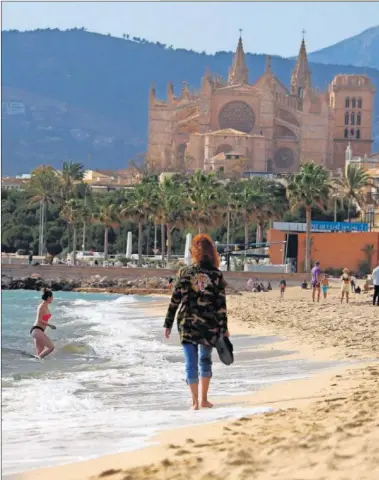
{"points": [[335, 249], [276, 251]]}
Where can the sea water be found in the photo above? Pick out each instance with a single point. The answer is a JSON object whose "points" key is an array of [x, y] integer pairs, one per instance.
{"points": [[111, 383]]}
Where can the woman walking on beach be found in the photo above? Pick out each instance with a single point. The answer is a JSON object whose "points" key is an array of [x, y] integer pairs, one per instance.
{"points": [[199, 291], [345, 285], [43, 345]]}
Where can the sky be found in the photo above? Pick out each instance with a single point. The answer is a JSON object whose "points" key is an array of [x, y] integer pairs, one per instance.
{"points": [[267, 27]]}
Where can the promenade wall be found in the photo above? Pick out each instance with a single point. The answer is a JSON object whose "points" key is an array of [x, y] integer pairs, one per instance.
{"points": [[53, 272]]}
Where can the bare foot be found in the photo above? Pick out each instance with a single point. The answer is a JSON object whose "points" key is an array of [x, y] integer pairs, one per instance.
{"points": [[195, 406], [206, 404]]}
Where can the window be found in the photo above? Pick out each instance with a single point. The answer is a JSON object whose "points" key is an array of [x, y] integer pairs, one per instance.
{"points": [[358, 135], [346, 133], [359, 118], [352, 121], [347, 102], [359, 102], [352, 132], [353, 102], [347, 118]]}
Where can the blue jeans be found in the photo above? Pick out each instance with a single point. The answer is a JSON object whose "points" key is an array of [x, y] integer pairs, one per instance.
{"points": [[191, 355]]}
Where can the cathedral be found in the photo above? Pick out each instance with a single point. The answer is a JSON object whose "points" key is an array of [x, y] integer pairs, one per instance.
{"points": [[240, 128]]}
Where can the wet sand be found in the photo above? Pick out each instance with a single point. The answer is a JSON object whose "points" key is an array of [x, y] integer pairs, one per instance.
{"points": [[325, 427]]}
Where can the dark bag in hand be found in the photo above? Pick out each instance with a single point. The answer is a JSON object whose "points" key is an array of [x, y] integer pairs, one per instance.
{"points": [[224, 349]]}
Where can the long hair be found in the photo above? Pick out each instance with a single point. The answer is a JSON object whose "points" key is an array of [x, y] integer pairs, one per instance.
{"points": [[203, 250]]}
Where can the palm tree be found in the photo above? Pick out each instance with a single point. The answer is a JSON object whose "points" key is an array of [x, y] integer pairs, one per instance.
{"points": [[107, 216], [169, 209], [203, 192], [72, 173], [309, 188], [139, 205], [353, 186], [247, 199], [44, 187], [74, 212], [272, 202]]}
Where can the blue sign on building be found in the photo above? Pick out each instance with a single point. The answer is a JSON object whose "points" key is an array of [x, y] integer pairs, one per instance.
{"points": [[339, 227]]}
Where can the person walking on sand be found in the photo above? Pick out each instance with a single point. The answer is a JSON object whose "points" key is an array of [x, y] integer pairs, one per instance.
{"points": [[345, 285], [375, 281], [43, 345], [199, 291], [282, 286], [325, 286], [316, 281]]}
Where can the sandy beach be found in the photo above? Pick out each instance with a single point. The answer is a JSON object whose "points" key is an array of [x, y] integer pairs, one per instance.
{"points": [[325, 427]]}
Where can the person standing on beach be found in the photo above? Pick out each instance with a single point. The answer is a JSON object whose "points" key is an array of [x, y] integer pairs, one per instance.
{"points": [[325, 286], [345, 285], [199, 291], [375, 281], [282, 286], [353, 282], [316, 281]]}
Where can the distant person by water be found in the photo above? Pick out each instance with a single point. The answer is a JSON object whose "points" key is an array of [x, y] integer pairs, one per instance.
{"points": [[30, 257], [345, 285], [199, 291], [375, 281], [316, 281], [43, 345]]}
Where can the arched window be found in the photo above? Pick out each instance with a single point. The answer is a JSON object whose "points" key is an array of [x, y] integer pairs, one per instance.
{"points": [[352, 132], [358, 135], [347, 118], [359, 118], [347, 102], [353, 102], [352, 121], [346, 134], [359, 102]]}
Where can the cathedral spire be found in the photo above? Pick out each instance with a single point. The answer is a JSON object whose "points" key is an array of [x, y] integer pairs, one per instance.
{"points": [[301, 75], [238, 72]]}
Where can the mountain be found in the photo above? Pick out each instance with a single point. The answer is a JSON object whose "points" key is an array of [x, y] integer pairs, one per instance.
{"points": [[75, 95], [361, 50]]}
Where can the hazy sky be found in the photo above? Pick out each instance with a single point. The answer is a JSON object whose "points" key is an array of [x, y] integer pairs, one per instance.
{"points": [[273, 28]]}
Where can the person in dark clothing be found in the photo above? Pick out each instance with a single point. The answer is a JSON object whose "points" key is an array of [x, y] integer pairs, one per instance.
{"points": [[30, 257], [199, 294]]}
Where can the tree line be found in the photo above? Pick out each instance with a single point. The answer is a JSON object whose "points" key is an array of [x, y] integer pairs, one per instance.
{"points": [[60, 208]]}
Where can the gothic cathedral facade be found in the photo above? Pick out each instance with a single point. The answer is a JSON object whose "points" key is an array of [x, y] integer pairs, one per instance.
{"points": [[238, 128]]}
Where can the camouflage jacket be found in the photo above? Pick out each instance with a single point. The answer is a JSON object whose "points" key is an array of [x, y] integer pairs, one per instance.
{"points": [[199, 294]]}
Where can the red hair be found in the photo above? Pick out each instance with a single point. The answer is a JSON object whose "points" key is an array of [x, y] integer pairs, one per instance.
{"points": [[203, 250]]}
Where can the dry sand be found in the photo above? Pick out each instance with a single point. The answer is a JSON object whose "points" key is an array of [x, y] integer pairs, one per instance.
{"points": [[323, 428]]}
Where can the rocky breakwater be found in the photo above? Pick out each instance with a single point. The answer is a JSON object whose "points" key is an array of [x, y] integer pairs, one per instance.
{"points": [[95, 283]]}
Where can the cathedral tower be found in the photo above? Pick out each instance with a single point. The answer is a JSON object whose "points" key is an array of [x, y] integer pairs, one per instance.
{"points": [[351, 98], [301, 79], [238, 72]]}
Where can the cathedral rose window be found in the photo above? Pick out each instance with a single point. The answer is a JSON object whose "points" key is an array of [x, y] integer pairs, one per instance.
{"points": [[237, 115], [284, 158]]}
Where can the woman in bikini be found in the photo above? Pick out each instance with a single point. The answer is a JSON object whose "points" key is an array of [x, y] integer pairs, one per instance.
{"points": [[345, 285], [43, 345]]}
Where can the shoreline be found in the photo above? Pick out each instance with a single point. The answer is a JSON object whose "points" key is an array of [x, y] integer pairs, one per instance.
{"points": [[343, 386]]}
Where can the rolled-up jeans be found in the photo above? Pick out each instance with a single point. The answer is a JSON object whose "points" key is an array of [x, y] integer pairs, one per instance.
{"points": [[197, 356]]}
